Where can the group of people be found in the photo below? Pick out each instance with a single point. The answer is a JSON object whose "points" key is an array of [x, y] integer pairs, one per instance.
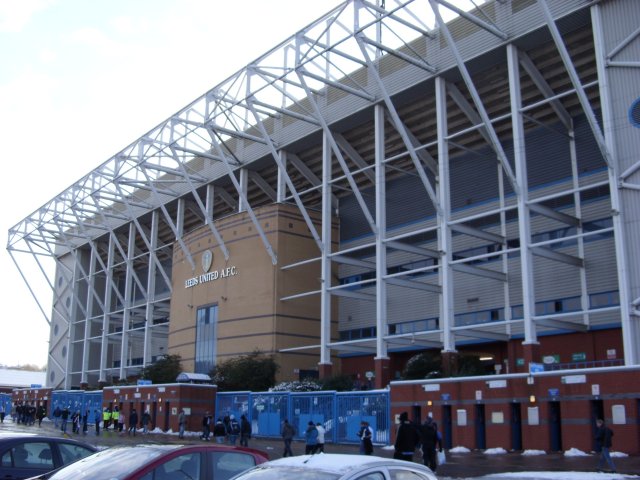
{"points": [[226, 429], [107, 417], [26, 413], [411, 436]]}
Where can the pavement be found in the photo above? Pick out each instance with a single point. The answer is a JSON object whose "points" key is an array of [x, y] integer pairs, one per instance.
{"points": [[459, 465]]}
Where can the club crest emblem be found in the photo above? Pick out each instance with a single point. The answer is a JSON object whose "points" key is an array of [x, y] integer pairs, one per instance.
{"points": [[207, 259]]}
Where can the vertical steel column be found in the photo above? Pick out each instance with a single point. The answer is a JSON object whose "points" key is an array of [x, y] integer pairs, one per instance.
{"points": [[575, 177], [87, 322], [128, 287], [281, 189], [180, 219], [209, 204], [630, 327], [325, 267], [244, 185], [72, 324], [447, 318], [108, 286], [524, 225], [381, 234], [151, 288]]}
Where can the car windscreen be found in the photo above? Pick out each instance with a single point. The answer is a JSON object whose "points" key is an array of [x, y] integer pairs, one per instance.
{"points": [[286, 473], [110, 464]]}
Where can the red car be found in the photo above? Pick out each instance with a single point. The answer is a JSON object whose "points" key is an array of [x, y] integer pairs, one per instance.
{"points": [[162, 462]]}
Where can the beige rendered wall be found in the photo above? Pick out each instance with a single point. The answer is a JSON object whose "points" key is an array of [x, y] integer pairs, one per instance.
{"points": [[250, 313]]}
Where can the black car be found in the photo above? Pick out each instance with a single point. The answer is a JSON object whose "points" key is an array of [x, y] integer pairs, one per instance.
{"points": [[24, 455]]}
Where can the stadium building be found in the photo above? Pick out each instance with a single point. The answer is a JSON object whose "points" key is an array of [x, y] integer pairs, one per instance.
{"points": [[398, 177]]}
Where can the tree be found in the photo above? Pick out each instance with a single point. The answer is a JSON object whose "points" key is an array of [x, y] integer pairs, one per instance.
{"points": [[423, 365], [255, 372], [165, 370], [339, 383]]}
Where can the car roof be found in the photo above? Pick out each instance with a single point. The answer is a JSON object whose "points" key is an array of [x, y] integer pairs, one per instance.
{"points": [[339, 463], [11, 437]]}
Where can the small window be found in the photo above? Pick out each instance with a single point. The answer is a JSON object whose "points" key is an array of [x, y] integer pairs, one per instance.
{"points": [[376, 476], [406, 475], [183, 467]]}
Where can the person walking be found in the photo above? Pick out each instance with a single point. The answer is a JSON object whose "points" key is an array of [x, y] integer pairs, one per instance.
{"points": [[603, 444], [245, 431], [366, 438], [64, 417], [321, 432], [56, 416], [133, 422], [219, 431], [287, 432], [407, 439], [182, 418], [206, 427], [115, 418], [75, 421], [234, 430], [42, 412], [85, 422], [2, 412], [146, 419], [106, 418], [97, 417], [310, 439], [430, 439]]}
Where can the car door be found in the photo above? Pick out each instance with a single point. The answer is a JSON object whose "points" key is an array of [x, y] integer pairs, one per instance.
{"points": [[26, 459]]}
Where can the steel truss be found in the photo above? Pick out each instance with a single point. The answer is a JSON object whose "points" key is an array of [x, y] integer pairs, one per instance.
{"points": [[234, 148]]}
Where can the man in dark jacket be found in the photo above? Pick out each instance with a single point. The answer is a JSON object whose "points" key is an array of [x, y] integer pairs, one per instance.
{"points": [[603, 444], [288, 432], [430, 440], [407, 438], [245, 431]]}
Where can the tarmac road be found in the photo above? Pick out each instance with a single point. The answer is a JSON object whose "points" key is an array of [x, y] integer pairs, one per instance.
{"points": [[458, 466]]}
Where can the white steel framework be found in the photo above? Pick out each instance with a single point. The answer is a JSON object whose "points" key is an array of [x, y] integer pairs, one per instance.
{"points": [[367, 95]]}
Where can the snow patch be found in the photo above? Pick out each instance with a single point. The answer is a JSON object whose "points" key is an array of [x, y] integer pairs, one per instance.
{"points": [[459, 449], [534, 452], [495, 451], [574, 452]]}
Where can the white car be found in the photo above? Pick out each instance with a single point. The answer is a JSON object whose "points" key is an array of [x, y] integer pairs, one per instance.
{"points": [[333, 466]]}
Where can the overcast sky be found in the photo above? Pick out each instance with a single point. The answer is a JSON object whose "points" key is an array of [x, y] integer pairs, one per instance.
{"points": [[80, 80]]}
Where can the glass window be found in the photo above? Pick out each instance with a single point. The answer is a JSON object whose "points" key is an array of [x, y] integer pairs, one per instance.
{"points": [[70, 452], [32, 455], [378, 476], [206, 323], [397, 474], [183, 467], [228, 464]]}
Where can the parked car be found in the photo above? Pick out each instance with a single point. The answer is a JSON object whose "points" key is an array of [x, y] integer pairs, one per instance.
{"points": [[162, 462], [334, 466], [23, 455]]}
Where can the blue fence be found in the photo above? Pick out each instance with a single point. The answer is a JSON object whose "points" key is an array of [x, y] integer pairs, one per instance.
{"points": [[339, 412], [76, 401], [5, 401]]}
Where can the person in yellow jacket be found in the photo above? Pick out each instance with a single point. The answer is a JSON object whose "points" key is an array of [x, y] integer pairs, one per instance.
{"points": [[106, 418], [115, 417]]}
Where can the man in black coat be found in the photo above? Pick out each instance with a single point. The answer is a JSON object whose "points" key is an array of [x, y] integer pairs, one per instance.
{"points": [[603, 444], [407, 439], [430, 440]]}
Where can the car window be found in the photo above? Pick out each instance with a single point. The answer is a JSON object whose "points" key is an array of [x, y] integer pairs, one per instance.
{"points": [[71, 452], [228, 464], [183, 467], [398, 474], [373, 476], [32, 455]]}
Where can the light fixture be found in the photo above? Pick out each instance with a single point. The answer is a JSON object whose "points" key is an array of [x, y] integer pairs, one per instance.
{"points": [[429, 403], [532, 398], [486, 358]]}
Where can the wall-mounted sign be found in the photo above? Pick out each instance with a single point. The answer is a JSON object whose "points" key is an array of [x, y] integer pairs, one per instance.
{"points": [[431, 387], [211, 276], [578, 357], [536, 367], [611, 354], [497, 384], [551, 359], [554, 392], [574, 379]]}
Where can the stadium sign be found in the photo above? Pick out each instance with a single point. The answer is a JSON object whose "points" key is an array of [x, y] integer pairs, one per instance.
{"points": [[211, 276]]}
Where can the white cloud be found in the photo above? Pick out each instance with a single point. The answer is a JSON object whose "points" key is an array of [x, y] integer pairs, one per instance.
{"points": [[15, 15]]}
